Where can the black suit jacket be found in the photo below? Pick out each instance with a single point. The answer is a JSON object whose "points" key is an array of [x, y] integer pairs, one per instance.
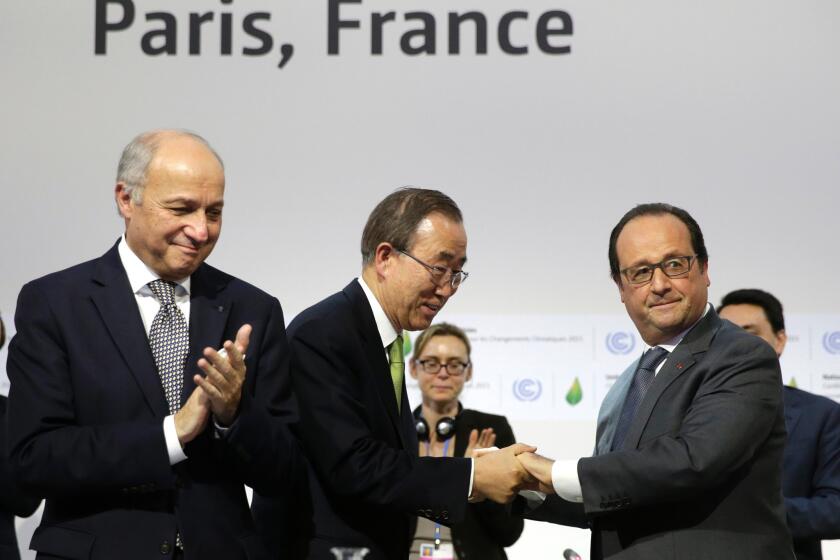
{"points": [[487, 527], [699, 475], [811, 473], [12, 501], [365, 478], [86, 412]]}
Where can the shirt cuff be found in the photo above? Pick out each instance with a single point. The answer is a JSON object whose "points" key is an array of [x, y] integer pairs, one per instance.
{"points": [[472, 476], [564, 478], [220, 431], [173, 446], [533, 498]]}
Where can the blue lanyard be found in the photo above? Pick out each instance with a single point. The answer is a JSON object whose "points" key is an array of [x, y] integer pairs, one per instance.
{"points": [[445, 454]]}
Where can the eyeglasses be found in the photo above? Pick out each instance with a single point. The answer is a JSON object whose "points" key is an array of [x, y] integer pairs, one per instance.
{"points": [[673, 268], [453, 368], [441, 273]]}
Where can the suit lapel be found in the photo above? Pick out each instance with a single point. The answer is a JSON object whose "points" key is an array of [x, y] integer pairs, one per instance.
{"points": [[117, 306], [378, 365], [696, 341], [792, 414], [209, 310]]}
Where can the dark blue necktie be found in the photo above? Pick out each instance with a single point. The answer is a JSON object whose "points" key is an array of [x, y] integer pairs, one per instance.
{"points": [[642, 381]]}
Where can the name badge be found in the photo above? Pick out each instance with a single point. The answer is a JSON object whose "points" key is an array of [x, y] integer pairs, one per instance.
{"points": [[445, 552]]}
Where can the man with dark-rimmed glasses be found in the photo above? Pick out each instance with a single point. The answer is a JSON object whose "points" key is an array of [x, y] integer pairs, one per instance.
{"points": [[690, 437], [366, 480]]}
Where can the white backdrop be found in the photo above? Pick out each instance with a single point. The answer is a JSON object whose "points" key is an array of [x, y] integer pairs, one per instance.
{"points": [[727, 109]]}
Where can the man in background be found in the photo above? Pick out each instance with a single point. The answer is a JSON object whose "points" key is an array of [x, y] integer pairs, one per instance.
{"points": [[811, 470], [122, 413]]}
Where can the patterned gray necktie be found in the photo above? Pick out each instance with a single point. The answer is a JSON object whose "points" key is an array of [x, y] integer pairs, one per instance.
{"points": [[170, 340], [642, 380]]}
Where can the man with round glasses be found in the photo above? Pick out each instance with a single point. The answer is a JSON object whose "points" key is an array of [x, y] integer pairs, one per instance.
{"points": [[366, 481], [690, 437]]}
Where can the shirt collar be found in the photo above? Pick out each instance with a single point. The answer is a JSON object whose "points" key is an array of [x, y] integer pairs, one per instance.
{"points": [[387, 332], [672, 343], [139, 275]]}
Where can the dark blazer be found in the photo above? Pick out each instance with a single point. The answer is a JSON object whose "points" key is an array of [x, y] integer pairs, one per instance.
{"points": [[811, 473], [487, 527], [86, 412], [365, 478], [12, 501], [699, 474]]}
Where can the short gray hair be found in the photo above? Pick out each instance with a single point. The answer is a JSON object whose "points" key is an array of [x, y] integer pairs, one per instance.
{"points": [[138, 154]]}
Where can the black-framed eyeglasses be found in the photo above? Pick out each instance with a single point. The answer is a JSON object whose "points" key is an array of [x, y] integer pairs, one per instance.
{"points": [[674, 267], [453, 368], [441, 273]]}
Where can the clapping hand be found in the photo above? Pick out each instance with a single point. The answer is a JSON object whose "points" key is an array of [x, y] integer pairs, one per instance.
{"points": [[487, 438], [224, 376]]}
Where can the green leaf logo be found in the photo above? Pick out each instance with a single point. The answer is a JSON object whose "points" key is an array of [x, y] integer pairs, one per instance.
{"points": [[575, 394]]}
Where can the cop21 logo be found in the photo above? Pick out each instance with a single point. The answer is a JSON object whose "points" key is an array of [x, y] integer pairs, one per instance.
{"points": [[620, 342], [831, 342], [527, 389]]}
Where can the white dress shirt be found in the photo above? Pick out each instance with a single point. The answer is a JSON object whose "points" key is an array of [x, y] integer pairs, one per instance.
{"points": [[389, 334], [564, 475], [139, 276]]}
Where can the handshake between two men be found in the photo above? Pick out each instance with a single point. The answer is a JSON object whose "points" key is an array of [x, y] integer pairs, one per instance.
{"points": [[501, 473]]}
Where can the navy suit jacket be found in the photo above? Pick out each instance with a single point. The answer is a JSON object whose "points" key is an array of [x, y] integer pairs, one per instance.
{"points": [[365, 478], [699, 473], [86, 411], [811, 473], [13, 502]]}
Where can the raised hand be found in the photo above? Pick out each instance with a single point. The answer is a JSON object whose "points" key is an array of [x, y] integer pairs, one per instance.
{"points": [[224, 376], [487, 438]]}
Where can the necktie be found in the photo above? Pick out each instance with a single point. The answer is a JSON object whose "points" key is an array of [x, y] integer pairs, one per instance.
{"points": [[395, 356], [642, 380], [169, 340]]}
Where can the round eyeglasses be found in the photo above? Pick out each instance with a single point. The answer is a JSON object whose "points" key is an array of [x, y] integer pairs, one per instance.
{"points": [[441, 274]]}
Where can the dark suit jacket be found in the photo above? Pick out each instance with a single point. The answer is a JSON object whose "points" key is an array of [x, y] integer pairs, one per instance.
{"points": [[699, 475], [86, 412], [811, 473], [365, 478], [12, 501], [487, 527]]}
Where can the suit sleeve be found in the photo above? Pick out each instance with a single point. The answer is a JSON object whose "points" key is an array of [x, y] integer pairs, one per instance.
{"points": [[51, 451], [260, 444], [12, 498], [345, 453], [494, 518], [818, 516], [732, 414]]}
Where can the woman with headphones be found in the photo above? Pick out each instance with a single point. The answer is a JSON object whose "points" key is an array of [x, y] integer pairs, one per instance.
{"points": [[441, 365]]}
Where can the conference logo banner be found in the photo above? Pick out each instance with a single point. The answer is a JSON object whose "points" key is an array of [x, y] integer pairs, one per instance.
{"points": [[531, 367]]}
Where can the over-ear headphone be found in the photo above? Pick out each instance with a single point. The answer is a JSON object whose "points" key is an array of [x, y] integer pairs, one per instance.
{"points": [[445, 427]]}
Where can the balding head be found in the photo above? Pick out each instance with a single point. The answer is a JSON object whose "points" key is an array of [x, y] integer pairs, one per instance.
{"points": [[132, 170]]}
